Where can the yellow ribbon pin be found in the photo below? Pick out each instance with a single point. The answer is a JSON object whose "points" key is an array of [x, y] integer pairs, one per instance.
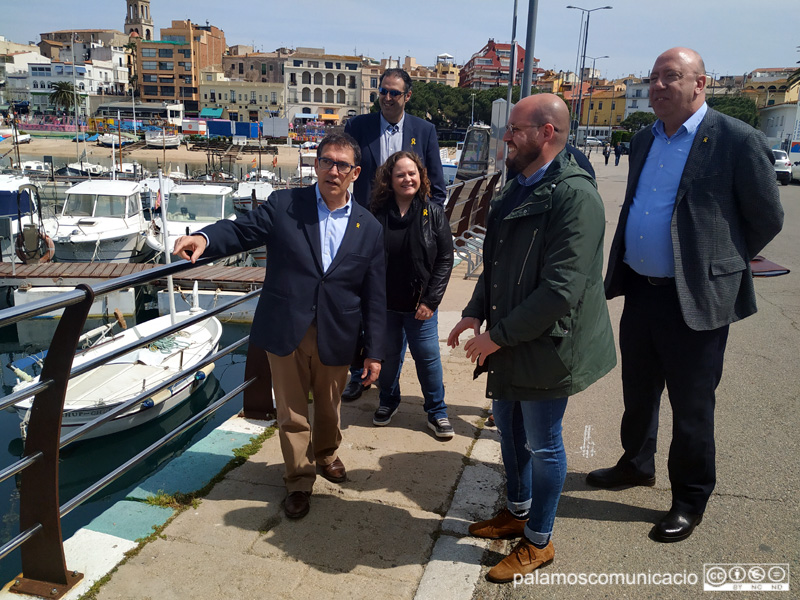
{"points": [[425, 212], [705, 139], [358, 225], [413, 141]]}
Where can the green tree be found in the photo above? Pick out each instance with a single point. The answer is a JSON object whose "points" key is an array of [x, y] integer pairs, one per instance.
{"points": [[739, 107], [63, 95], [638, 120]]}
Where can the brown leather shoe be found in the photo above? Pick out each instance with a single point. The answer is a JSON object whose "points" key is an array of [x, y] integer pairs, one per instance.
{"points": [[334, 472], [296, 505], [524, 558], [502, 526]]}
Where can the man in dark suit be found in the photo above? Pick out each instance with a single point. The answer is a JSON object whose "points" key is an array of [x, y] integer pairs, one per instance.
{"points": [[701, 201], [380, 135], [325, 277]]}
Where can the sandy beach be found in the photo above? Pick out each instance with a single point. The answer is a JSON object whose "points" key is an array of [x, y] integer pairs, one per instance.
{"points": [[65, 150]]}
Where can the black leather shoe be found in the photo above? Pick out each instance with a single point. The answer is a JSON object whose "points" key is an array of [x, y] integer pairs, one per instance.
{"points": [[353, 391], [296, 504], [675, 526], [617, 476]]}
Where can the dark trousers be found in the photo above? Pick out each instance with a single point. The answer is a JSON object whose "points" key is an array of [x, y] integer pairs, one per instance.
{"points": [[658, 348]]}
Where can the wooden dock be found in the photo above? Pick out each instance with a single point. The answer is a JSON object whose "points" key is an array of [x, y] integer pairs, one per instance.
{"points": [[71, 274]]}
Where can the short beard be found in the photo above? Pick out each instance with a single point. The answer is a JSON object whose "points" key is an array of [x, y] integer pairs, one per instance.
{"points": [[519, 162]]}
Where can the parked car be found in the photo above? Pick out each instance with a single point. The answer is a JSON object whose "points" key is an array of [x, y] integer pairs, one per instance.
{"points": [[592, 141], [783, 166]]}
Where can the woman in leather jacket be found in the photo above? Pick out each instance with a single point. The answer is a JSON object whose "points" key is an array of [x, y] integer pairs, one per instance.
{"points": [[419, 260]]}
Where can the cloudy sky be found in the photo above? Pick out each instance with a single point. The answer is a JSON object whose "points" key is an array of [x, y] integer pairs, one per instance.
{"points": [[733, 36]]}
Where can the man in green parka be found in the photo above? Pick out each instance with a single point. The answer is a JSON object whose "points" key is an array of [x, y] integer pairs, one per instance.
{"points": [[547, 335]]}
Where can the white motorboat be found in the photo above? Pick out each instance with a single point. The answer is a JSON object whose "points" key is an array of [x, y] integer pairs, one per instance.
{"points": [[306, 173], [34, 167], [90, 395], [114, 140], [189, 208], [248, 196], [101, 221], [162, 139], [251, 193]]}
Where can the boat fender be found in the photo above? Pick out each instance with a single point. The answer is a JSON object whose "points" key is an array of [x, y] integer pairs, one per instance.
{"points": [[147, 404], [199, 376]]}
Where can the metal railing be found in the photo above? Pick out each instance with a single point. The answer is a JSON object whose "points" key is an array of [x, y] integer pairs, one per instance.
{"points": [[44, 569]]}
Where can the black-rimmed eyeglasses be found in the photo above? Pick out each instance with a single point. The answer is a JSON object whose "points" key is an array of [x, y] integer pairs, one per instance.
{"points": [[393, 93], [512, 129], [326, 164]]}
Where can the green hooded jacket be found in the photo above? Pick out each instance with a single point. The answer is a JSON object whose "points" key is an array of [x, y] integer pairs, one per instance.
{"points": [[541, 291]]}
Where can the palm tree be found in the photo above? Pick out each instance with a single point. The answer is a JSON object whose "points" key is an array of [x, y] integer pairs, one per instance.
{"points": [[63, 95]]}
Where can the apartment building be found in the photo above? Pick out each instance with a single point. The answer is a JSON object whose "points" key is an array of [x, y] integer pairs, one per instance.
{"points": [[489, 67], [169, 69], [240, 63], [324, 87], [225, 98]]}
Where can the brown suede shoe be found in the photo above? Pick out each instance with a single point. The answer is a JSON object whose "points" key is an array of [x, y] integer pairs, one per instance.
{"points": [[524, 558], [502, 526], [296, 505], [334, 472]]}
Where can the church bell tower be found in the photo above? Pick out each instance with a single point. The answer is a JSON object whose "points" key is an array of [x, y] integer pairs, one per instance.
{"points": [[138, 19]]}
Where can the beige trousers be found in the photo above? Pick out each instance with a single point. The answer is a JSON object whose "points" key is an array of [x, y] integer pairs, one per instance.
{"points": [[305, 443]]}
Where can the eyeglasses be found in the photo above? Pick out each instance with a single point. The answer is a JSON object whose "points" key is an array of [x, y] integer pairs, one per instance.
{"points": [[393, 93], [326, 164], [512, 129]]}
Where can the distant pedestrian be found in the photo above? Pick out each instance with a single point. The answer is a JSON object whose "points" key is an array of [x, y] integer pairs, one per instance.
{"points": [[617, 153], [607, 152]]}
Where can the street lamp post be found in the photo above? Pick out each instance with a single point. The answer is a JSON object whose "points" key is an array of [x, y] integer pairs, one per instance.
{"points": [[588, 12], [472, 115], [591, 91]]}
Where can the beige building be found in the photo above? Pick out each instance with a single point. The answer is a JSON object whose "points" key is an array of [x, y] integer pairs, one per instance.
{"points": [[224, 98], [326, 87], [769, 87]]}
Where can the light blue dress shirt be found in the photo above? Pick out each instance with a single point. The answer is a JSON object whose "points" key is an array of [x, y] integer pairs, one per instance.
{"points": [[332, 225], [391, 137], [648, 240]]}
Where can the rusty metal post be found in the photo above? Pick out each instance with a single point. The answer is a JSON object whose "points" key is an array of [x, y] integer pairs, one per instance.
{"points": [[257, 398], [44, 567]]}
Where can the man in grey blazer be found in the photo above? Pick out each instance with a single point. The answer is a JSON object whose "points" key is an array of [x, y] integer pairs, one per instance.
{"points": [[701, 201]]}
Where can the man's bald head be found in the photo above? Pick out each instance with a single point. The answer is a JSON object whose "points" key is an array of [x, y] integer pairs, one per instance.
{"points": [[536, 133], [677, 86]]}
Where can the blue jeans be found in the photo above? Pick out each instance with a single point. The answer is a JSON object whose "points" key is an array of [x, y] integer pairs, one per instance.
{"points": [[533, 451], [423, 341]]}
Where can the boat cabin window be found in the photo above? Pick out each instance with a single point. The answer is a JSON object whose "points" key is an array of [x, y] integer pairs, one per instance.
{"points": [[110, 206], [199, 207], [78, 205]]}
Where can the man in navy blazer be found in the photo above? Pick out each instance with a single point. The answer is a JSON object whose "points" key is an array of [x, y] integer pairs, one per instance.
{"points": [[701, 202], [382, 134], [325, 276], [378, 138]]}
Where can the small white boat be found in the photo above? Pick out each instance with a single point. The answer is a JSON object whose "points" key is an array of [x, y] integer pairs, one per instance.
{"points": [[248, 191], [35, 166], [189, 208], [248, 196], [23, 138], [114, 140], [162, 139], [305, 167], [87, 168], [101, 221], [131, 170], [90, 395]]}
